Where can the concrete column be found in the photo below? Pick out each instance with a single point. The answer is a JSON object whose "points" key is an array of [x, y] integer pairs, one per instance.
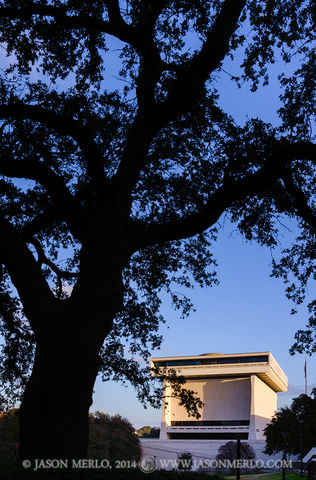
{"points": [[252, 423], [166, 412], [263, 407]]}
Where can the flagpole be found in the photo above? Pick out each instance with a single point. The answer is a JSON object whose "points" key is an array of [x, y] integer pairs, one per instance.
{"points": [[305, 370]]}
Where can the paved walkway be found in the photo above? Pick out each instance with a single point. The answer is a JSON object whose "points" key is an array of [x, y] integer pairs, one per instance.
{"points": [[254, 476]]}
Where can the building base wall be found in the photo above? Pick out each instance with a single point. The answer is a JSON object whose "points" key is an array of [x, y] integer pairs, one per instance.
{"points": [[166, 451]]}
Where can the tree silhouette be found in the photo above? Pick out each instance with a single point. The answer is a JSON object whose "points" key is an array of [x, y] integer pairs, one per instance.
{"points": [[228, 453], [111, 196], [283, 433]]}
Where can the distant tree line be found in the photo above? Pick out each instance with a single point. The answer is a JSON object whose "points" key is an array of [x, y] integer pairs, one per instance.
{"points": [[148, 432]]}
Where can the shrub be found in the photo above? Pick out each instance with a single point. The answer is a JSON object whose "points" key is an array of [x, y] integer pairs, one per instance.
{"points": [[185, 461], [112, 437], [228, 451]]}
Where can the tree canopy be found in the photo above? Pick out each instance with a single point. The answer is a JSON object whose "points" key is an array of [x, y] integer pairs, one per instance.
{"points": [[148, 432], [111, 195], [113, 437], [283, 433], [228, 452]]}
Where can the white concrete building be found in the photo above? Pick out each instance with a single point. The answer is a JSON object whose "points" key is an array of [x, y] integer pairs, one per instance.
{"points": [[239, 392]]}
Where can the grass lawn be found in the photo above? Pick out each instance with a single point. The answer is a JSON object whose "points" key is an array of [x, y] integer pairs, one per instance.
{"points": [[136, 474], [14, 471], [266, 476], [127, 474]]}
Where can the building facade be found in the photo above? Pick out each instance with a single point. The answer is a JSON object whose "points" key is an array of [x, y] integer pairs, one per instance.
{"points": [[239, 392]]}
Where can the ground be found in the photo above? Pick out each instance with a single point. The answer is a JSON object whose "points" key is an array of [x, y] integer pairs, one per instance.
{"points": [[265, 476], [132, 474]]}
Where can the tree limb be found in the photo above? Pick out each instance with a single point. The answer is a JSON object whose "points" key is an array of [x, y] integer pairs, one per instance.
{"points": [[299, 200], [62, 199], [115, 26], [114, 13], [185, 92], [40, 222], [64, 125], [43, 259], [151, 64], [223, 197], [136, 155], [188, 85], [26, 275]]}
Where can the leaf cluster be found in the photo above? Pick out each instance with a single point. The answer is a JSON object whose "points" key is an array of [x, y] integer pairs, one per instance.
{"points": [[283, 433]]}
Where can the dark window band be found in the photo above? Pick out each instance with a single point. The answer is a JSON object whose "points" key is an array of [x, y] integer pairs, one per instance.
{"points": [[213, 361], [218, 377], [208, 423], [207, 436]]}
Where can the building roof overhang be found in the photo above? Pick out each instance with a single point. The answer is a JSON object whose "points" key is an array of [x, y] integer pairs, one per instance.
{"points": [[268, 371]]}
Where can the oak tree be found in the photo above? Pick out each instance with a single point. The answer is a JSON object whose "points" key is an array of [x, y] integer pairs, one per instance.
{"points": [[111, 195]]}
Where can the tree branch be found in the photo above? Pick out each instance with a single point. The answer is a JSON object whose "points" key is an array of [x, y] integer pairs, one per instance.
{"points": [[136, 155], [224, 197], [62, 199], [189, 84], [40, 222], [25, 274], [299, 200], [64, 125], [116, 25], [42, 258], [114, 13]]}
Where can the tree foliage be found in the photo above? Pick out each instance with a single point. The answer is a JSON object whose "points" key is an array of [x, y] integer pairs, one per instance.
{"points": [[148, 432], [228, 451], [112, 437], [9, 438], [185, 461], [283, 433], [111, 194]]}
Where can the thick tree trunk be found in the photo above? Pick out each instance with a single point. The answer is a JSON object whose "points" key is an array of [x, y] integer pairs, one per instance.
{"points": [[55, 406], [54, 421]]}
